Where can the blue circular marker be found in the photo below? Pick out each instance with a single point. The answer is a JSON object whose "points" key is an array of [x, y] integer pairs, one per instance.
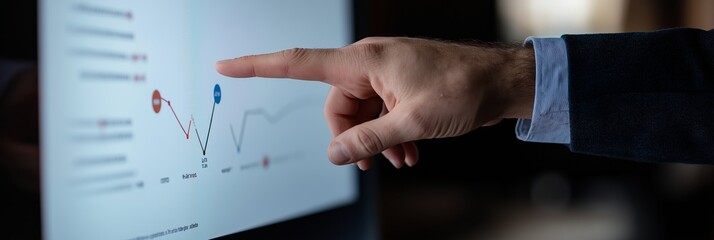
{"points": [[217, 94]]}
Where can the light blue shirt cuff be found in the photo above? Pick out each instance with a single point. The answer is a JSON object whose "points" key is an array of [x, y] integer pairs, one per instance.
{"points": [[550, 122]]}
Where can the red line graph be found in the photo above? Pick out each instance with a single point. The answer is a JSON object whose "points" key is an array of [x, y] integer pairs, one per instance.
{"points": [[190, 121], [156, 101]]}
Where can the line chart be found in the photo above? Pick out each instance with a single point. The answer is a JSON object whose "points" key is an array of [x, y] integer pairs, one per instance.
{"points": [[157, 100], [210, 123], [270, 117]]}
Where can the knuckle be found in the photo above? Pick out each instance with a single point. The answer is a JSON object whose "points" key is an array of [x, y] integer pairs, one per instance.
{"points": [[370, 40], [295, 54], [372, 52], [369, 140], [294, 57]]}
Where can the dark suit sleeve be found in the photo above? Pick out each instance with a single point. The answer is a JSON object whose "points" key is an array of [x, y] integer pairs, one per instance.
{"points": [[643, 96]]}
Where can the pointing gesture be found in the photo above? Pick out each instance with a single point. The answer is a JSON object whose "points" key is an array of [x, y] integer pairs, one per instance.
{"points": [[389, 92]]}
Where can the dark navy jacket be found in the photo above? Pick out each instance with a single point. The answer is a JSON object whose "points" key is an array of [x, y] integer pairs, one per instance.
{"points": [[643, 96]]}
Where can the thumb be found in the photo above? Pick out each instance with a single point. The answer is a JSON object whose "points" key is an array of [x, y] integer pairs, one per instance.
{"points": [[370, 138]]}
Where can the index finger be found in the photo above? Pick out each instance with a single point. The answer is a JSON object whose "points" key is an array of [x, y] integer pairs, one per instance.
{"points": [[297, 63]]}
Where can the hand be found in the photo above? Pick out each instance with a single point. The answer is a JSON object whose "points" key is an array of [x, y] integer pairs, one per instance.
{"points": [[389, 92], [19, 137]]}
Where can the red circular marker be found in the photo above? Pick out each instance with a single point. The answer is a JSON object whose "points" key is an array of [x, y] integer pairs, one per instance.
{"points": [[266, 161], [156, 101]]}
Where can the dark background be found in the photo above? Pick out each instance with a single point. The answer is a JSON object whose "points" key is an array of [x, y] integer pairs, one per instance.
{"points": [[489, 185]]}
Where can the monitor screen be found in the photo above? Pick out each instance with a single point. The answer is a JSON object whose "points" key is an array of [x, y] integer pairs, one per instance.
{"points": [[141, 138]]}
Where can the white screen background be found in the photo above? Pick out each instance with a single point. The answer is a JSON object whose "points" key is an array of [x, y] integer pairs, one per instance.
{"points": [[115, 168]]}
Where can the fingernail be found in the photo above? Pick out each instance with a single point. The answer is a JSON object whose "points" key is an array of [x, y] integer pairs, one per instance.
{"points": [[226, 60], [396, 164], [338, 153], [409, 162], [360, 166]]}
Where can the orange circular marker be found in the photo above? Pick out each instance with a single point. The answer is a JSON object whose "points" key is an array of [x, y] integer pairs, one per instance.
{"points": [[156, 101]]}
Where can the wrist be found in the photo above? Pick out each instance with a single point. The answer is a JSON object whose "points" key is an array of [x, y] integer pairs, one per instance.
{"points": [[517, 81]]}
